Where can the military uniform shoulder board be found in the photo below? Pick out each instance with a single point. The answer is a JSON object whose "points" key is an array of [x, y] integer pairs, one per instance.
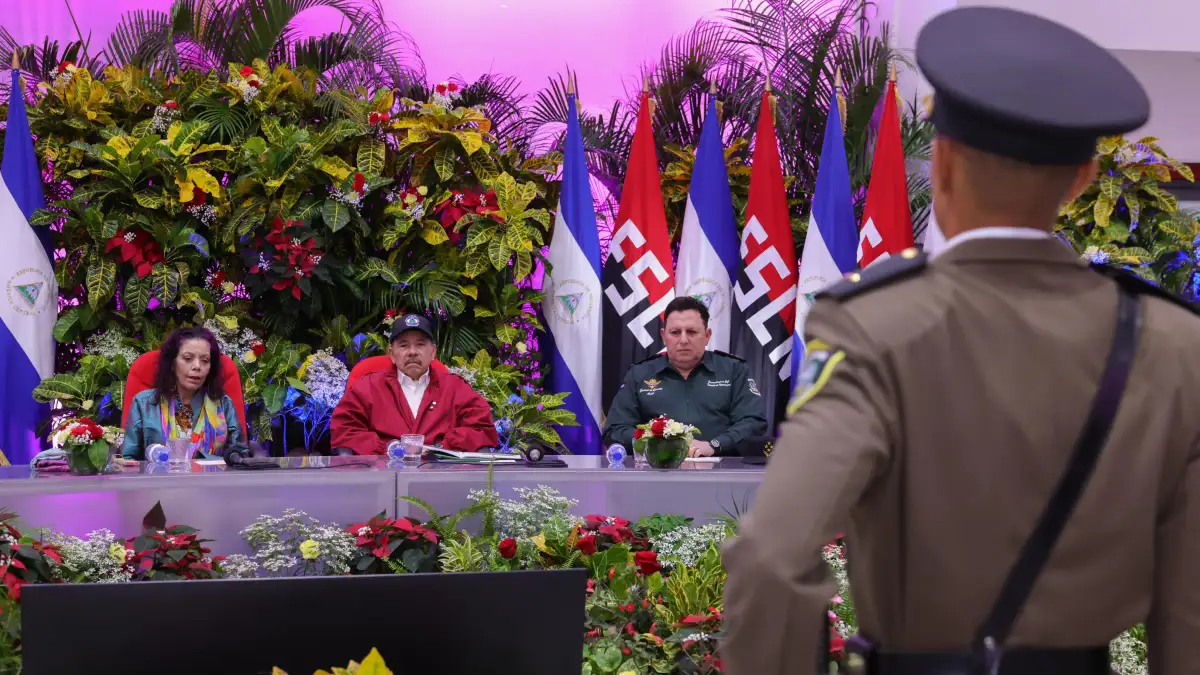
{"points": [[728, 355], [909, 262], [650, 358], [1133, 283]]}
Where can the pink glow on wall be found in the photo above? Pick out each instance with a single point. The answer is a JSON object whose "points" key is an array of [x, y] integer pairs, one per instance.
{"points": [[605, 41]]}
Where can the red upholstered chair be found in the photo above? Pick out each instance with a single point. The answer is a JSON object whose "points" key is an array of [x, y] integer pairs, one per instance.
{"points": [[145, 367], [375, 364]]}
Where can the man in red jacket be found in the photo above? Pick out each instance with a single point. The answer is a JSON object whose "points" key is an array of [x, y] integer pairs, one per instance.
{"points": [[413, 399]]}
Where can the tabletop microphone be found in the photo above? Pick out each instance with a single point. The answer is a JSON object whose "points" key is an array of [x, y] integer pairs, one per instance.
{"points": [[238, 457]]}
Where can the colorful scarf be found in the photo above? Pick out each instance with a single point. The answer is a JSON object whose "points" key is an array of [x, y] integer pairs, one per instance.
{"points": [[209, 428]]}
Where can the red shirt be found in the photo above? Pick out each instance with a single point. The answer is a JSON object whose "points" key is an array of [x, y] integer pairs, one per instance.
{"points": [[374, 412]]}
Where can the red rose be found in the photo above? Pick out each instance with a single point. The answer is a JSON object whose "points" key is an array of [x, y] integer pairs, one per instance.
{"points": [[246, 71], [254, 83], [390, 314], [258, 348], [360, 183], [587, 545], [657, 427], [630, 629], [638, 433], [627, 608], [441, 89], [452, 87], [647, 562], [591, 587], [171, 105], [507, 548]]}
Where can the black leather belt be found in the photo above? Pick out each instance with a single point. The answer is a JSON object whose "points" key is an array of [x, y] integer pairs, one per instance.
{"points": [[1014, 662]]}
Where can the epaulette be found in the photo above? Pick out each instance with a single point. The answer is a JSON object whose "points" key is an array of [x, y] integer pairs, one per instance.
{"points": [[1130, 281], [732, 356], [650, 358], [909, 263]]}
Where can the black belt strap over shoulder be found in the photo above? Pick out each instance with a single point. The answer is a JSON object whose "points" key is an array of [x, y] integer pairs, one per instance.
{"points": [[987, 647]]}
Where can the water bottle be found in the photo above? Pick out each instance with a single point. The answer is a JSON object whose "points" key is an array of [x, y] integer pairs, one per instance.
{"points": [[615, 455], [395, 449], [157, 453]]}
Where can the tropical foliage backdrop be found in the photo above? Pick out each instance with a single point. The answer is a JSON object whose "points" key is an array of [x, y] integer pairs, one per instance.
{"points": [[209, 166]]}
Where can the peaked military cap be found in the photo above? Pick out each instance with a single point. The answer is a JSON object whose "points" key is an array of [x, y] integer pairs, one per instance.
{"points": [[1023, 87]]}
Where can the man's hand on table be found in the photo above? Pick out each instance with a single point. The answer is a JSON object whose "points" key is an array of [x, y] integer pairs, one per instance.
{"points": [[700, 449]]}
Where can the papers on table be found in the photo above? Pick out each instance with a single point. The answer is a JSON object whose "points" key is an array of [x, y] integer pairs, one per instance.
{"points": [[473, 457]]}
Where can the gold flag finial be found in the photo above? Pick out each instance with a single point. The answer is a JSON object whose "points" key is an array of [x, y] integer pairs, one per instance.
{"points": [[768, 81], [645, 83], [893, 75], [570, 84], [16, 61], [839, 98]]}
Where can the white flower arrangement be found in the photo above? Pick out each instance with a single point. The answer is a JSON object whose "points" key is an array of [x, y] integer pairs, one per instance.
{"points": [[205, 213], [530, 513], [110, 344], [293, 544], [325, 376], [351, 198], [685, 545], [233, 341], [99, 558]]}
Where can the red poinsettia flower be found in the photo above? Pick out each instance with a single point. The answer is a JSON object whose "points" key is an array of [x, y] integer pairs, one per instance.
{"points": [[246, 71], [360, 183], [171, 105], [199, 197], [587, 545], [136, 248], [376, 117], [507, 548], [647, 562]]}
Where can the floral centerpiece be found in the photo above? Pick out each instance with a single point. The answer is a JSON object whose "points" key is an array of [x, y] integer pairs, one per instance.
{"points": [[664, 441], [399, 545], [86, 443]]}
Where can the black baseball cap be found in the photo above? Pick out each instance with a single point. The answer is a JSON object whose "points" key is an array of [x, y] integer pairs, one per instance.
{"points": [[408, 322]]}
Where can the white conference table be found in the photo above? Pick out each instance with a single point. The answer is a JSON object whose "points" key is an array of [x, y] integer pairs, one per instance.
{"points": [[220, 501]]}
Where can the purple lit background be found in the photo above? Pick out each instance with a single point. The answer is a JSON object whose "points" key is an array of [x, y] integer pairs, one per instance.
{"points": [[605, 41]]}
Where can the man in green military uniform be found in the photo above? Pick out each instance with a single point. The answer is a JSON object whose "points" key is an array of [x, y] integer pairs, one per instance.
{"points": [[712, 391]]}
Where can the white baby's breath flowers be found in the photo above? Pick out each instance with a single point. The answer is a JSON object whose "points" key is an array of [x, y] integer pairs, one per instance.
{"points": [[92, 559], [1127, 655], [113, 343], [325, 376], [530, 513], [686, 545], [233, 341], [277, 541]]}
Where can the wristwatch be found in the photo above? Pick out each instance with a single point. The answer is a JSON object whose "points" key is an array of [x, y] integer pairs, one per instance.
{"points": [[716, 445]]}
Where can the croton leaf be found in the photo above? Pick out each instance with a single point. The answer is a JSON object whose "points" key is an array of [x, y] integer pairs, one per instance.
{"points": [[101, 280], [335, 214], [371, 157], [137, 295], [443, 162], [155, 518]]}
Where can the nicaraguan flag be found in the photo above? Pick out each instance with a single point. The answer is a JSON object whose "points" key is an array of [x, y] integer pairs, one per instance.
{"points": [[572, 305], [831, 247], [29, 306], [708, 249]]}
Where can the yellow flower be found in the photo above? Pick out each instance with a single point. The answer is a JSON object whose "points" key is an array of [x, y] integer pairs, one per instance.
{"points": [[228, 287], [310, 549], [117, 552], [304, 366], [422, 190], [249, 357], [522, 347], [410, 199], [628, 672]]}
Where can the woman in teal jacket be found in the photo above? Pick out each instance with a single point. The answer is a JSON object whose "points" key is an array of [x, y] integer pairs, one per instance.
{"points": [[187, 401]]}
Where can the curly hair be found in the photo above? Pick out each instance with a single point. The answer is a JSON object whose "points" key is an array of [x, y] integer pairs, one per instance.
{"points": [[164, 380]]}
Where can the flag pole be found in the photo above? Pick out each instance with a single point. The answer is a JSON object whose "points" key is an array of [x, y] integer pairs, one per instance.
{"points": [[839, 98], [712, 91], [646, 90], [16, 60], [771, 97]]}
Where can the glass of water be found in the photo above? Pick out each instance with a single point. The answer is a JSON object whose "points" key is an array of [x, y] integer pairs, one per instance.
{"points": [[179, 455], [412, 444]]}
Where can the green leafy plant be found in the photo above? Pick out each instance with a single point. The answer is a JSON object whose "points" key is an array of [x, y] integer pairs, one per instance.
{"points": [[1127, 219], [522, 415], [80, 392]]}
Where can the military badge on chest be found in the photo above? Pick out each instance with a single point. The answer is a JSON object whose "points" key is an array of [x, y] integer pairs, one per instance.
{"points": [[818, 365], [651, 386]]}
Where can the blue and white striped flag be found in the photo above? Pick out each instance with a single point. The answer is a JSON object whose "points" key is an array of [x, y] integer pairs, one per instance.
{"points": [[831, 247], [29, 306], [708, 249], [572, 305]]}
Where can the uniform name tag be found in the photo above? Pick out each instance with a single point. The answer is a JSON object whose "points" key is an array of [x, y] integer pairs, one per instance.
{"points": [[652, 386], [720, 383]]}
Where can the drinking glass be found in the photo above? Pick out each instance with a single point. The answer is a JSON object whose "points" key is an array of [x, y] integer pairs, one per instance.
{"points": [[412, 444], [179, 455]]}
